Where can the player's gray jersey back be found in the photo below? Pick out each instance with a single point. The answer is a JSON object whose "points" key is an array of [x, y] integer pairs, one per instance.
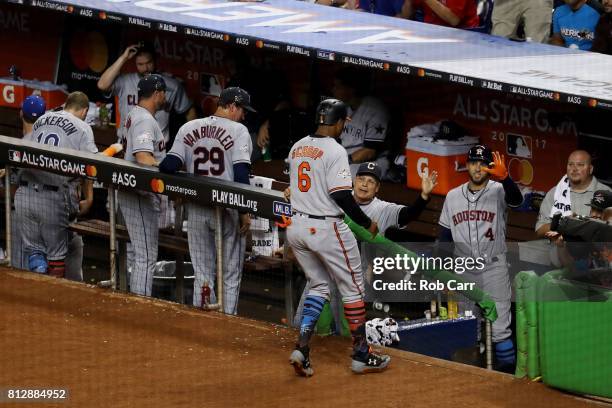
{"points": [[211, 146], [385, 214], [368, 123], [477, 220], [143, 134], [59, 129], [126, 89], [318, 167]]}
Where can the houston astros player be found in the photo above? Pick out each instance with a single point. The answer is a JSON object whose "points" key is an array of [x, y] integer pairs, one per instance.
{"points": [[474, 218], [320, 183], [126, 87], [217, 146], [144, 144], [46, 202]]}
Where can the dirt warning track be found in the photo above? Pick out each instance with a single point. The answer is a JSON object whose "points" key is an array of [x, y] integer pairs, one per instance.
{"points": [[110, 349]]}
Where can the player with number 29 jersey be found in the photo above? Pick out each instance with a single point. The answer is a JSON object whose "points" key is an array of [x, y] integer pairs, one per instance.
{"points": [[211, 146]]}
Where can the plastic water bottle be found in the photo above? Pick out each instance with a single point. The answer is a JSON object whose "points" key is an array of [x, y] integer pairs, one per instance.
{"points": [[265, 153], [453, 307], [205, 295], [104, 115]]}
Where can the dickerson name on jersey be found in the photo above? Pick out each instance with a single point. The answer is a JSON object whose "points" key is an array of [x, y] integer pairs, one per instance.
{"points": [[63, 123]]}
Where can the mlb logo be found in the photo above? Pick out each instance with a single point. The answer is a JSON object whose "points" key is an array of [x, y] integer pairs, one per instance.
{"points": [[281, 208], [14, 156]]}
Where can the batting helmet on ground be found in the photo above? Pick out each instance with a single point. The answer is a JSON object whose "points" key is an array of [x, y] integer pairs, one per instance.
{"points": [[480, 153], [330, 111]]}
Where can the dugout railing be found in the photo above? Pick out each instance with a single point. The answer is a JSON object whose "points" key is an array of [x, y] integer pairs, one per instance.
{"points": [[118, 174]]}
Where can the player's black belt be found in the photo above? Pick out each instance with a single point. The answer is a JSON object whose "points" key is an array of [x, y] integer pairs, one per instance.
{"points": [[38, 187], [319, 217]]}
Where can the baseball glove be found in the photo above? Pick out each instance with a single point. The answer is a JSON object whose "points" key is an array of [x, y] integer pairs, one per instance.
{"points": [[382, 332], [497, 167]]}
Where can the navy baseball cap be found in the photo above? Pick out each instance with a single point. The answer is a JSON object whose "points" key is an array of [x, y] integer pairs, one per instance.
{"points": [[33, 107], [601, 200], [151, 83], [371, 169], [238, 96]]}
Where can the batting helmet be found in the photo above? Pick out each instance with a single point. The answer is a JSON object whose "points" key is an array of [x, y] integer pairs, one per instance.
{"points": [[33, 107], [480, 153], [330, 111]]}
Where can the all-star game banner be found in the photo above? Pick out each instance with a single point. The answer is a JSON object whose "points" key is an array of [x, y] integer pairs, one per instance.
{"points": [[124, 175], [381, 43]]}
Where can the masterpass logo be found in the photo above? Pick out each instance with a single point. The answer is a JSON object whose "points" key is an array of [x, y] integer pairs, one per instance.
{"points": [[91, 171], [157, 185]]}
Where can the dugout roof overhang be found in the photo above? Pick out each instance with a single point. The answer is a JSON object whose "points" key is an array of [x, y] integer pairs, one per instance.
{"points": [[378, 42]]}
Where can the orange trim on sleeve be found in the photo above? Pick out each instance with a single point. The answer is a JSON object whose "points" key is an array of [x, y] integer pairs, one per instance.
{"points": [[340, 188]]}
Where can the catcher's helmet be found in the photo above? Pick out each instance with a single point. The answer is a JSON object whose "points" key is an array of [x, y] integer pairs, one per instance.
{"points": [[330, 111], [480, 153]]}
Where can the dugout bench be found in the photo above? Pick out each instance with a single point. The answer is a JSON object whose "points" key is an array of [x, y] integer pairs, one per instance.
{"points": [[177, 244]]}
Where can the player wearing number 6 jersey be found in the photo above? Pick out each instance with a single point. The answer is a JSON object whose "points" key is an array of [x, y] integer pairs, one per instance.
{"points": [[217, 146], [45, 203], [320, 183], [474, 218]]}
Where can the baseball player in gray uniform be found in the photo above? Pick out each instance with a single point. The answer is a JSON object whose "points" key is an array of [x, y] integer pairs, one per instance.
{"points": [[32, 108], [364, 135], [126, 87], [217, 146], [474, 218], [386, 215], [144, 144], [46, 202], [320, 183]]}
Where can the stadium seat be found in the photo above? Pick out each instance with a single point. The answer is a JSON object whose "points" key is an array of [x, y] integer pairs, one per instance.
{"points": [[485, 11]]}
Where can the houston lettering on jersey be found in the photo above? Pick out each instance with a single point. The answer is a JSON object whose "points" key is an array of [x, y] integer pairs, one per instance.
{"points": [[473, 215], [307, 151], [63, 123], [211, 132]]}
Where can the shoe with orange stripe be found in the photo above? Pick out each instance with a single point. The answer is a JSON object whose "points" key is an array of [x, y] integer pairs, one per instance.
{"points": [[371, 363]]}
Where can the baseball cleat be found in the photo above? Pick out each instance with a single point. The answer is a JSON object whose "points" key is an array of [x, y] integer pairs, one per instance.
{"points": [[301, 363], [371, 363]]}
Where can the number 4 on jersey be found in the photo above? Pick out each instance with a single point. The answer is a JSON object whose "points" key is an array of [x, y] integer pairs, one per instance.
{"points": [[489, 234], [303, 178]]}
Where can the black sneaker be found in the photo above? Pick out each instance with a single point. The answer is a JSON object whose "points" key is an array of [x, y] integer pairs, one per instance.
{"points": [[300, 361], [371, 363]]}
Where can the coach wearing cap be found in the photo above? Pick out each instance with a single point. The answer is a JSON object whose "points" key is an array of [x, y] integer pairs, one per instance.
{"points": [[386, 214]]}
